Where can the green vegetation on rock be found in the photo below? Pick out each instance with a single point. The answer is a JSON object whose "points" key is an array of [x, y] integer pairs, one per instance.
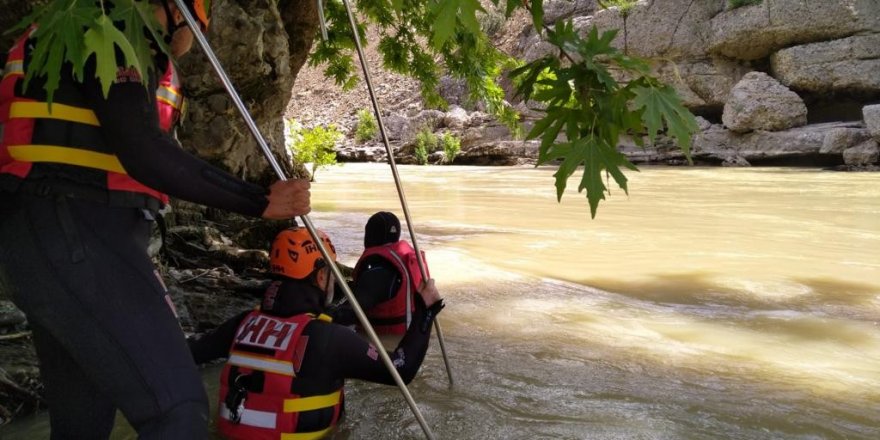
{"points": [[313, 146]]}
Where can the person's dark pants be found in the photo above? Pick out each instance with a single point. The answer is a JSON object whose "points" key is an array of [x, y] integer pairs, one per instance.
{"points": [[105, 334]]}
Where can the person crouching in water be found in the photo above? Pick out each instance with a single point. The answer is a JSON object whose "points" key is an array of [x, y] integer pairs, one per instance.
{"points": [[287, 362], [385, 278]]}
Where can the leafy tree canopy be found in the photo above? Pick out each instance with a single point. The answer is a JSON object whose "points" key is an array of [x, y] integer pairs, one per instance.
{"points": [[586, 107]]}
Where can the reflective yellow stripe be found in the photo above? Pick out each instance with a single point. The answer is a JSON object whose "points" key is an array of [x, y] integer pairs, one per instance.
{"points": [[306, 435], [261, 363], [311, 403], [67, 155], [59, 111], [169, 96]]}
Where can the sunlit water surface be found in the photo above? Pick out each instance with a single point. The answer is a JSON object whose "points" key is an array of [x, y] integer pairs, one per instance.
{"points": [[709, 303]]}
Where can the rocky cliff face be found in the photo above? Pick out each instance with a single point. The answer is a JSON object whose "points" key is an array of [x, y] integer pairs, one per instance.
{"points": [[779, 82], [819, 60]]}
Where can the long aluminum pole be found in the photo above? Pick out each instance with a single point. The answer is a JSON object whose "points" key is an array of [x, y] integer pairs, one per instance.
{"points": [[203, 42], [397, 182]]}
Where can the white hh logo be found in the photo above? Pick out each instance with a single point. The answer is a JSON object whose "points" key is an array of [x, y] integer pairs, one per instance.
{"points": [[265, 332]]}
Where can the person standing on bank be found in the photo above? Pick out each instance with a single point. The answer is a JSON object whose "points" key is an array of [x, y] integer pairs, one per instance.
{"points": [[288, 362], [79, 183], [385, 277]]}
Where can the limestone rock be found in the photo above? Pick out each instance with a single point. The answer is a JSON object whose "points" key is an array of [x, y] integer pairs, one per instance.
{"points": [[866, 153], [397, 127], [702, 83], [667, 28], [456, 118], [735, 161], [839, 139], [559, 9], [427, 118], [759, 102], [871, 114], [499, 153], [754, 32], [533, 46], [845, 65], [718, 145], [453, 90]]}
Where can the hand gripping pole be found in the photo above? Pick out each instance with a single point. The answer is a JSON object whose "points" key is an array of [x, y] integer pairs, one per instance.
{"points": [[397, 182], [203, 42]]}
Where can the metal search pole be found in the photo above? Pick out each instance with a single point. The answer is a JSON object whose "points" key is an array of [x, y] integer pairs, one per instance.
{"points": [[203, 42], [397, 182]]}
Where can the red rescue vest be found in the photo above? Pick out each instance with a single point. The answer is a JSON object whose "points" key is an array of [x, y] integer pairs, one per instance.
{"points": [[394, 315], [263, 363], [19, 116]]}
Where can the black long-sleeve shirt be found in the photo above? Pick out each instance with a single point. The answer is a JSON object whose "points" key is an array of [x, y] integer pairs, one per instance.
{"points": [[336, 352]]}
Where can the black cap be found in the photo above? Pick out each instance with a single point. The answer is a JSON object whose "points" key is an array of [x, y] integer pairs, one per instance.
{"points": [[382, 227]]}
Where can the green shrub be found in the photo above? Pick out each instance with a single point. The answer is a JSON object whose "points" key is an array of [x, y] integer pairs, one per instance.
{"points": [[451, 146], [367, 128], [624, 5], [426, 143], [733, 4], [421, 154], [313, 145]]}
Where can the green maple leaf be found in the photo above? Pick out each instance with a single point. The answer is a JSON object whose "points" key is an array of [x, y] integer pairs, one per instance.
{"points": [[137, 15], [537, 8], [59, 41], [662, 104], [446, 12], [467, 14], [102, 39], [444, 24]]}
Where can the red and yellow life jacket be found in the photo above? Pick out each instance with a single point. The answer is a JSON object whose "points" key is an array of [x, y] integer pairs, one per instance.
{"points": [[29, 128], [259, 380], [394, 315]]}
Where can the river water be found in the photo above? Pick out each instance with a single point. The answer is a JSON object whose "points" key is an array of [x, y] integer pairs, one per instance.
{"points": [[710, 303]]}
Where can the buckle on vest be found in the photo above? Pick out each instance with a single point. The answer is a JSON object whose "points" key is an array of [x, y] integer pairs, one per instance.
{"points": [[235, 400]]}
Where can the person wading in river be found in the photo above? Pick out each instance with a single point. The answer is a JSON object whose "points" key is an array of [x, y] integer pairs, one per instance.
{"points": [[287, 362], [80, 182], [385, 277]]}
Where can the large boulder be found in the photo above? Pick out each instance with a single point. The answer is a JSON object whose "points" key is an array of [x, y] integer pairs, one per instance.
{"points": [[716, 145], [676, 34], [845, 65], [839, 139], [703, 84], [754, 32], [667, 28], [866, 153], [759, 102], [871, 114], [559, 9]]}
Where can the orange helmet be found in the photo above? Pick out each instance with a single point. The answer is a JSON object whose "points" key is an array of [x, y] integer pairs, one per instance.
{"points": [[295, 255]]}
